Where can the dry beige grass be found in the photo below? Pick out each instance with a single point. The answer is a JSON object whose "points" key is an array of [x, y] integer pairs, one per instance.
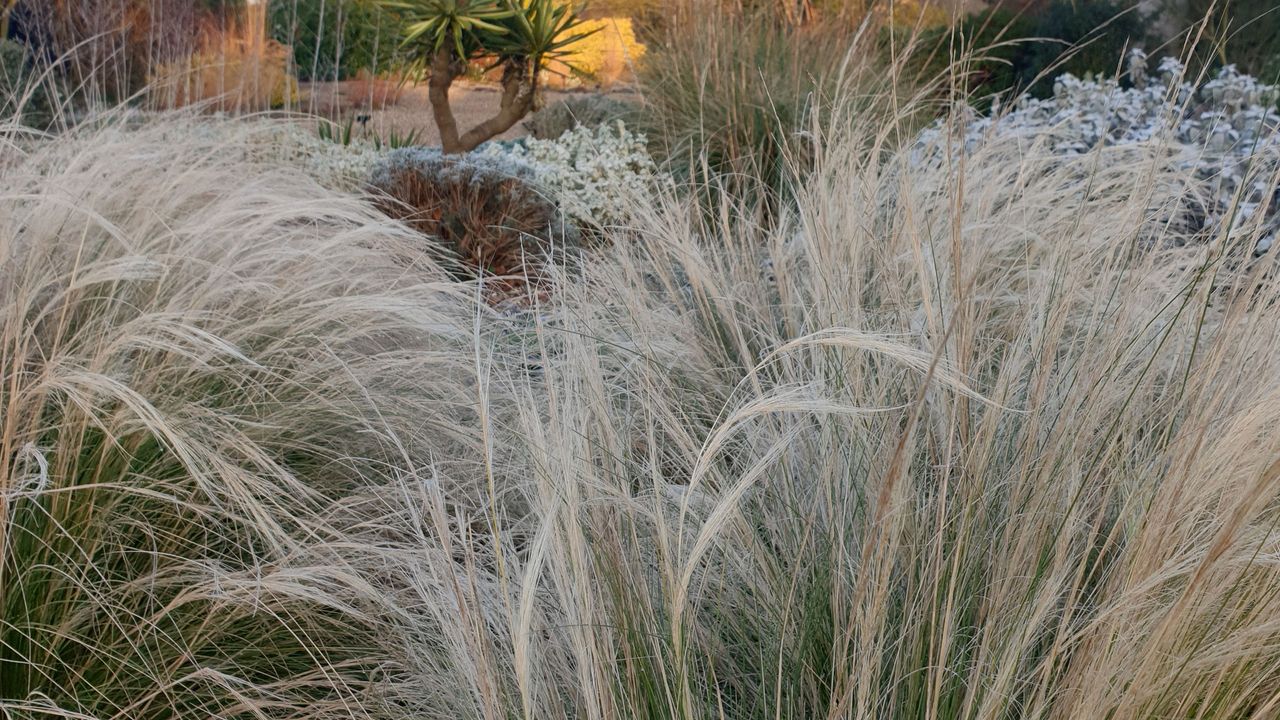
{"points": [[940, 440], [962, 451], [197, 348]]}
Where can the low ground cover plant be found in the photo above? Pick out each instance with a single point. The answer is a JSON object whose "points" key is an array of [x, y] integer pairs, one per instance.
{"points": [[592, 175]]}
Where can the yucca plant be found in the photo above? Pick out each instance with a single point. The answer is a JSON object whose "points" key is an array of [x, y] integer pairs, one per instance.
{"points": [[344, 134], [518, 36], [339, 134]]}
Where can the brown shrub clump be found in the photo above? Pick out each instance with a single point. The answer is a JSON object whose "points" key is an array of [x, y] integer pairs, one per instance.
{"points": [[487, 214]]}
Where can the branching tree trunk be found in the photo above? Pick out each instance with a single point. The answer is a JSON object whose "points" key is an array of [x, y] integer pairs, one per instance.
{"points": [[519, 86]]}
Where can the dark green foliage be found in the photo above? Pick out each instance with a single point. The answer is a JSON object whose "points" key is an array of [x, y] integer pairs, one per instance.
{"points": [[21, 90], [1243, 32], [991, 44], [1012, 52], [1082, 38], [335, 39], [13, 68]]}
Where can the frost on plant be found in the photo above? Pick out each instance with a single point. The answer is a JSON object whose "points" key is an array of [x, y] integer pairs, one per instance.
{"points": [[593, 173], [470, 169], [334, 165], [1222, 133]]}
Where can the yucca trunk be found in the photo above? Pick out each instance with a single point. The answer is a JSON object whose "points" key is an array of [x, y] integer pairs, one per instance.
{"points": [[519, 86]]}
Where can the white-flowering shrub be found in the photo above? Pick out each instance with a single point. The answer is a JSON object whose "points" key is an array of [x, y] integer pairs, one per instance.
{"points": [[476, 168], [1222, 133], [595, 174], [332, 164]]}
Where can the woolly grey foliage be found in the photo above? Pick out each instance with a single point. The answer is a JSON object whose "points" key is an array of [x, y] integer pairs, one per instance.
{"points": [[1224, 133], [468, 168]]}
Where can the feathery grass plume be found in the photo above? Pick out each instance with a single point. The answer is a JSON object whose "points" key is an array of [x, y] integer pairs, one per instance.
{"points": [[199, 353], [948, 440]]}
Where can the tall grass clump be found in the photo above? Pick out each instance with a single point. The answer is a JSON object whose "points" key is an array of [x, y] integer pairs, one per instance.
{"points": [[729, 95], [961, 434], [201, 354]]}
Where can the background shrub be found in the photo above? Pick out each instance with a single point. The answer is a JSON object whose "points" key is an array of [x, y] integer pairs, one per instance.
{"points": [[107, 48], [228, 76], [335, 39], [733, 95], [23, 94], [606, 57], [987, 48], [1081, 38], [1008, 53], [591, 110], [1245, 33], [375, 92]]}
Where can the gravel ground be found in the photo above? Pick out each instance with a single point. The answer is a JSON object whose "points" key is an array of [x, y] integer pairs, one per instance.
{"points": [[471, 103]]}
